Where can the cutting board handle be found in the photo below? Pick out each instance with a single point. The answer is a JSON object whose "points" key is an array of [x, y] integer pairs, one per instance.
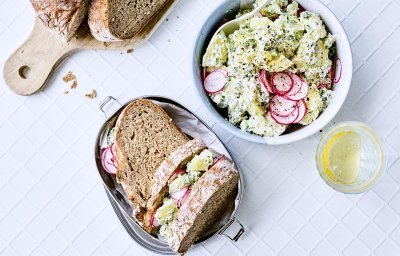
{"points": [[28, 69]]}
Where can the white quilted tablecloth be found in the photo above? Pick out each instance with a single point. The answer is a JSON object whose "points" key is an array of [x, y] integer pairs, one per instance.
{"points": [[51, 198]]}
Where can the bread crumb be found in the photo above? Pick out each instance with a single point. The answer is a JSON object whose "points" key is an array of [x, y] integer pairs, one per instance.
{"points": [[69, 77], [129, 51], [91, 95], [66, 92], [177, 17], [74, 84]]}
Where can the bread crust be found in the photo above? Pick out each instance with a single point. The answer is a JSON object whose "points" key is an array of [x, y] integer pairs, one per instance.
{"points": [[221, 175], [130, 172], [62, 17], [99, 21]]}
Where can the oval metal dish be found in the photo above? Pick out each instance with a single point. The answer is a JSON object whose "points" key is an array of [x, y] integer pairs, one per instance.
{"points": [[121, 205]]}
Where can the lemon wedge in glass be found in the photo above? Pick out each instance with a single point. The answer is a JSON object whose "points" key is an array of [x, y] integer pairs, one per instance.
{"points": [[341, 157]]}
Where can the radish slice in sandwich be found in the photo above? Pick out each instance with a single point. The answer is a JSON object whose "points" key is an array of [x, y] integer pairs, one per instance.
{"points": [[281, 106], [154, 222], [301, 105], [217, 160], [281, 83], [107, 160], [179, 194], [215, 82], [286, 120], [182, 200]]}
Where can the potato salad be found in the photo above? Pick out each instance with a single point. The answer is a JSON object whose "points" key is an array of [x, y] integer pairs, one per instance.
{"points": [[273, 72]]}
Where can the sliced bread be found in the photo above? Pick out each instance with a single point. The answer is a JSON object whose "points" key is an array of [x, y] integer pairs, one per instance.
{"points": [[205, 205], [63, 17], [145, 136], [173, 162], [112, 20]]}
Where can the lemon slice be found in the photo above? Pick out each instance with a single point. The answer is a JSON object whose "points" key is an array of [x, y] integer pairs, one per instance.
{"points": [[342, 156]]}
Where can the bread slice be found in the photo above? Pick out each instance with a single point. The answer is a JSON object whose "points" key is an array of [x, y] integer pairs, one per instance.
{"points": [[63, 17], [173, 162], [145, 136], [205, 205], [116, 20]]}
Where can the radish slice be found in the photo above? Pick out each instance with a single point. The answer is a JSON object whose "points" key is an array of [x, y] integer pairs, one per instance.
{"points": [[322, 86], [215, 82], [282, 83], [262, 76], [204, 74], [281, 106], [217, 160], [338, 65], [154, 222], [300, 94], [176, 174], [179, 194], [107, 162], [112, 147], [301, 105], [182, 200], [296, 85], [285, 120]]}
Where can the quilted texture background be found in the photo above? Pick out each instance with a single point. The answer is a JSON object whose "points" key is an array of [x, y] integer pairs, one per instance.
{"points": [[52, 201]]}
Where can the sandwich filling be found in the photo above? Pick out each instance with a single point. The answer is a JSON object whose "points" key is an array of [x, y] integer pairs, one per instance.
{"points": [[179, 188]]}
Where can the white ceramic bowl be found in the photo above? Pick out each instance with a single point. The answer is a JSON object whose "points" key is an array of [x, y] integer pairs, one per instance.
{"points": [[229, 9]]}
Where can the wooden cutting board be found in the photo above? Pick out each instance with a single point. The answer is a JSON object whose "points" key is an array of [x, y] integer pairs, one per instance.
{"points": [[30, 67]]}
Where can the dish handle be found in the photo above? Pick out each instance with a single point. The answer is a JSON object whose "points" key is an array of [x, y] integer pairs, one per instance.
{"points": [[109, 106], [233, 230]]}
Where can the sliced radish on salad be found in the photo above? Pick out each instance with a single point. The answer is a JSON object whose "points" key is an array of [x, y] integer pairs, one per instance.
{"points": [[285, 120], [302, 91], [182, 200], [338, 68], [154, 222], [302, 107], [281, 106], [281, 83], [108, 161], [215, 82], [262, 77], [179, 194]]}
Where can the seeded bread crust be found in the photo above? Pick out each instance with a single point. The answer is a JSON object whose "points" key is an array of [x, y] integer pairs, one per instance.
{"points": [[62, 17], [205, 205], [145, 135], [111, 20], [173, 162]]}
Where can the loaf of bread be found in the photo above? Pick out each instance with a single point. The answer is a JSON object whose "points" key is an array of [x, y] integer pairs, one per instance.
{"points": [[119, 20], [145, 136], [63, 17]]}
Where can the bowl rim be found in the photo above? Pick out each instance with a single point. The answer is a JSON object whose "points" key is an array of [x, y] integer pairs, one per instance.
{"points": [[304, 132]]}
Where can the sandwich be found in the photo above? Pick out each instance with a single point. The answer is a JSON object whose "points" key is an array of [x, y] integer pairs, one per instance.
{"points": [[197, 198], [179, 188]]}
